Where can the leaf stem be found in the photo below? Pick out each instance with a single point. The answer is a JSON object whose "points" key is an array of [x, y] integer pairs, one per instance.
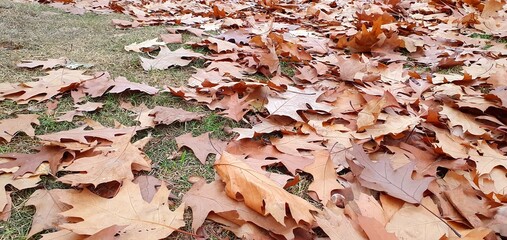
{"points": [[434, 214]]}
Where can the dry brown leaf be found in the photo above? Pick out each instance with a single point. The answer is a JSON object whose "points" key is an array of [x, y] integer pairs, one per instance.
{"points": [[467, 122], [171, 38], [148, 185], [168, 115], [102, 83], [487, 158], [337, 225], [290, 102], [146, 46], [23, 123], [47, 209], [412, 222], [113, 163], [56, 82], [324, 176], [392, 125], [398, 183], [202, 145], [205, 198], [85, 136], [47, 64], [28, 163], [269, 199], [167, 58], [143, 220], [369, 114], [374, 230]]}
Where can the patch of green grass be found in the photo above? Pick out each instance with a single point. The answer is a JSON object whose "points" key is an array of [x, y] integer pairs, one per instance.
{"points": [[287, 69], [111, 112], [481, 36], [48, 124], [212, 123], [455, 70]]}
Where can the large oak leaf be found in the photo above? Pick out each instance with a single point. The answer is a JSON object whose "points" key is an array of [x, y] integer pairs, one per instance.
{"points": [[143, 220], [381, 176], [113, 163], [260, 193]]}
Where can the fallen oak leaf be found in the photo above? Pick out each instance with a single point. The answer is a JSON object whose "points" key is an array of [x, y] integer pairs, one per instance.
{"points": [[337, 225], [28, 163], [260, 193], [47, 64], [148, 185], [113, 163], [146, 46], [22, 123], [168, 115], [171, 38], [202, 145], [82, 135], [47, 209], [102, 83], [294, 100], [398, 183], [155, 222], [56, 82], [324, 176], [412, 222], [167, 58], [205, 198]]}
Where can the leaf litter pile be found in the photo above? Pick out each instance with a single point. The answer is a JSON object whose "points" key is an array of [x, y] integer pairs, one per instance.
{"points": [[396, 113]]}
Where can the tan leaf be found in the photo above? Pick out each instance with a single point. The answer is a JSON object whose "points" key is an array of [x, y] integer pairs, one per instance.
{"points": [[259, 192], [114, 163], [374, 229], [168, 115], [47, 209], [466, 121], [337, 225], [171, 38], [412, 222], [143, 220], [205, 198], [88, 106], [23, 123], [324, 176], [398, 183], [56, 82], [146, 46], [202, 145], [28, 163], [102, 83], [369, 114], [148, 185], [258, 150], [290, 102], [47, 64], [63, 234], [219, 46], [392, 125], [167, 58], [81, 135], [488, 158], [291, 143]]}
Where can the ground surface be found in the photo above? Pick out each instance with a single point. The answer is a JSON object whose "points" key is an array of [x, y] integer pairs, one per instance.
{"points": [[329, 119]]}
